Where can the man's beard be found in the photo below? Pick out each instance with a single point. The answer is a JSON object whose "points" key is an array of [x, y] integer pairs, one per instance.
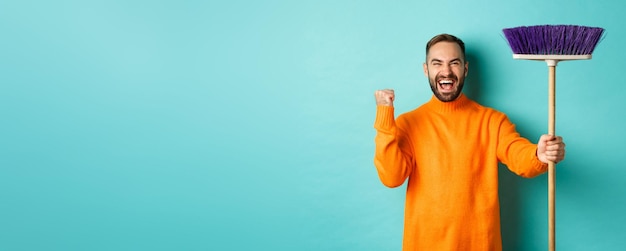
{"points": [[448, 96]]}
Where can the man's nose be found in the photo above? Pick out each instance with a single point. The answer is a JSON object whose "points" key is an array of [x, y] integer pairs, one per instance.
{"points": [[446, 68]]}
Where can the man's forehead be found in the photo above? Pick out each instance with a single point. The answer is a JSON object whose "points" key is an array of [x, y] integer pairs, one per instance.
{"points": [[444, 51]]}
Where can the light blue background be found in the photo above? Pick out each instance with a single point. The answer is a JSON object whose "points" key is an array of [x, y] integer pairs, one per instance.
{"points": [[248, 125]]}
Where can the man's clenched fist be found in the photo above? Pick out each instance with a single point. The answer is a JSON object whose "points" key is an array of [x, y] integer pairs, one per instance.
{"points": [[384, 97]]}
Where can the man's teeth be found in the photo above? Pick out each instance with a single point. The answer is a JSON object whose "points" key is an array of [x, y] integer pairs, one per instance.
{"points": [[445, 82]]}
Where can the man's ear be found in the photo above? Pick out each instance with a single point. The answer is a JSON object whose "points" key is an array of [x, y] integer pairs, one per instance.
{"points": [[426, 69], [466, 68]]}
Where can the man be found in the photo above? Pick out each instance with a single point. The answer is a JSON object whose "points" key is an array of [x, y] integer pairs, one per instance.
{"points": [[449, 149]]}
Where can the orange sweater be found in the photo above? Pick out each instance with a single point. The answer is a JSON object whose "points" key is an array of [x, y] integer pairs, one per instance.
{"points": [[450, 153]]}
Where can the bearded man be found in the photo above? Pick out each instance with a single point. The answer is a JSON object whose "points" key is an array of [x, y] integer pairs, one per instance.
{"points": [[449, 149]]}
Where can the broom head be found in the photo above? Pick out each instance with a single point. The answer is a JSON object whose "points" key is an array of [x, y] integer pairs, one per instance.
{"points": [[559, 41]]}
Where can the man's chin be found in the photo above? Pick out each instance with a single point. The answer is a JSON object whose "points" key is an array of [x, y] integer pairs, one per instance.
{"points": [[447, 97]]}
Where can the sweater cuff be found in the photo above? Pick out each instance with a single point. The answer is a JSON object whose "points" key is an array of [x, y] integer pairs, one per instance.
{"points": [[540, 166], [384, 118]]}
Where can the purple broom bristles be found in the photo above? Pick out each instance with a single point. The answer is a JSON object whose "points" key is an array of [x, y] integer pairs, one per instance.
{"points": [[553, 39]]}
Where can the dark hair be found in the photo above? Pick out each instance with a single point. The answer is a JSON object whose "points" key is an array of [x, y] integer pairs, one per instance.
{"points": [[446, 38]]}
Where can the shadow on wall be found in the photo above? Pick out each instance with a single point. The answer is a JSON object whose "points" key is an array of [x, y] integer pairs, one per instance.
{"points": [[473, 80], [510, 204], [509, 183]]}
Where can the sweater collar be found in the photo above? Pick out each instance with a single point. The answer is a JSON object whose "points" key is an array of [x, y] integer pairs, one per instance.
{"points": [[462, 102]]}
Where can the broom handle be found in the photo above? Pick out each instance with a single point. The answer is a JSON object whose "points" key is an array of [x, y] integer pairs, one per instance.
{"points": [[551, 165]]}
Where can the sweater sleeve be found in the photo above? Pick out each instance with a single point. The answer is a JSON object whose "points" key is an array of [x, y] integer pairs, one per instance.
{"points": [[392, 157], [518, 153]]}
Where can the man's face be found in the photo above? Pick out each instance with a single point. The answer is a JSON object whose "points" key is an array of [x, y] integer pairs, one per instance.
{"points": [[446, 70]]}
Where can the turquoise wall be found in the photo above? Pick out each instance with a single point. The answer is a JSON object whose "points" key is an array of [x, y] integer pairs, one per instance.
{"points": [[248, 125]]}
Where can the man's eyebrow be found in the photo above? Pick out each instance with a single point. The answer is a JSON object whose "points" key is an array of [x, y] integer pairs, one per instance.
{"points": [[435, 60]]}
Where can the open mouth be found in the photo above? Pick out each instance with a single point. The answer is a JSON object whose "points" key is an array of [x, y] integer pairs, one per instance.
{"points": [[446, 85]]}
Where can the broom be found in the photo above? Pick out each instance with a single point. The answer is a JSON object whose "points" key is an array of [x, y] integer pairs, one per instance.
{"points": [[552, 44]]}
